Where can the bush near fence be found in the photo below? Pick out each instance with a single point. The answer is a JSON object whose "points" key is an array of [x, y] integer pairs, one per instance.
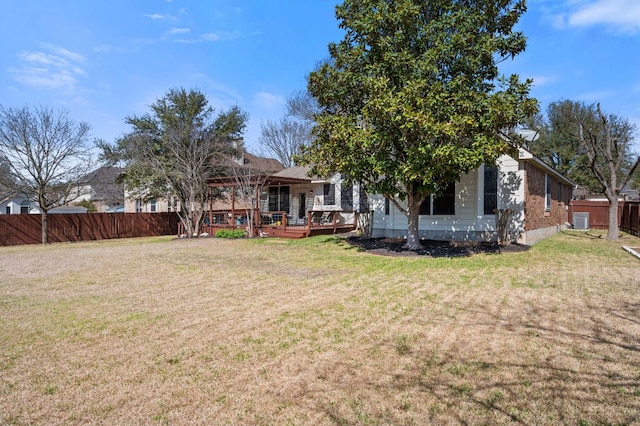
{"points": [[628, 214], [26, 229]]}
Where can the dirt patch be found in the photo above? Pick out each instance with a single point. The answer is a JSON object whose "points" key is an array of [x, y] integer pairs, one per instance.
{"points": [[431, 248]]}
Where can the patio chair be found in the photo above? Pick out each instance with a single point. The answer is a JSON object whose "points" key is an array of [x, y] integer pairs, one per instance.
{"points": [[326, 218]]}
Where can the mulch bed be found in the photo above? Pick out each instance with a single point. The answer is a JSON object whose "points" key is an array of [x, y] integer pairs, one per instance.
{"points": [[430, 248]]}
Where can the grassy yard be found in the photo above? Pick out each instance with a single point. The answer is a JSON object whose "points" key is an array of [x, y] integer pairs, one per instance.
{"points": [[165, 331]]}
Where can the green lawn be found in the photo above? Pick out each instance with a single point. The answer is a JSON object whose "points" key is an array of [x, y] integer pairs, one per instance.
{"points": [[268, 331]]}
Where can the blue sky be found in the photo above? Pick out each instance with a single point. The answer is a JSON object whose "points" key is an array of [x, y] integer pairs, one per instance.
{"points": [[104, 60]]}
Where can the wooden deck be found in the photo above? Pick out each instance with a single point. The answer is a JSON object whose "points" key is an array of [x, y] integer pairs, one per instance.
{"points": [[321, 223], [293, 231], [303, 231]]}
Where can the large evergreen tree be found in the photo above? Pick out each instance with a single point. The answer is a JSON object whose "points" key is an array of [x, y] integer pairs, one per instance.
{"points": [[172, 152], [411, 98], [557, 144]]}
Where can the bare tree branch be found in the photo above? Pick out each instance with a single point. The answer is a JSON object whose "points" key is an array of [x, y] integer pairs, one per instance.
{"points": [[46, 153]]}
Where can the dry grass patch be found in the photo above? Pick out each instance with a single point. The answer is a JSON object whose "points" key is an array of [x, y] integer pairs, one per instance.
{"points": [[164, 331]]}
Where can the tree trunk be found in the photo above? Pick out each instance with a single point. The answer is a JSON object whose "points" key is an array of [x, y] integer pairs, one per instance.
{"points": [[44, 227], [612, 232], [413, 215]]}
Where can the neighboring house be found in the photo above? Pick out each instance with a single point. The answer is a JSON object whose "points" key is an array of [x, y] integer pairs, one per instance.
{"points": [[626, 194], [535, 193], [16, 204], [630, 194], [138, 205], [102, 189]]}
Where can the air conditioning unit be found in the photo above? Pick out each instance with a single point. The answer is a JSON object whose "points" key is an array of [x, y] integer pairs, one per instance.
{"points": [[581, 220]]}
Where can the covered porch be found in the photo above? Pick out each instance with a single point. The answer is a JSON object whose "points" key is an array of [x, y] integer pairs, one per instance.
{"points": [[274, 206]]}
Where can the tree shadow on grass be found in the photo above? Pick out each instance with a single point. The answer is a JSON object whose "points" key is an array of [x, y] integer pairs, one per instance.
{"points": [[582, 375]]}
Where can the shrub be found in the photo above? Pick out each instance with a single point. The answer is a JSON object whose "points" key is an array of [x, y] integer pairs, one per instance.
{"points": [[230, 233], [91, 207]]}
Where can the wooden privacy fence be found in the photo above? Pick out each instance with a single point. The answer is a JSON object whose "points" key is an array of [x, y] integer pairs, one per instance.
{"points": [[26, 229], [628, 214]]}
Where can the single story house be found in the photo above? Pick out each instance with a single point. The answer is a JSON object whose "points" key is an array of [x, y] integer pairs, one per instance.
{"points": [[534, 196]]}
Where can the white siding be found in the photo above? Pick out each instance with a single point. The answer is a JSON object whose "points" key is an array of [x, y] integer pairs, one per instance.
{"points": [[469, 221]]}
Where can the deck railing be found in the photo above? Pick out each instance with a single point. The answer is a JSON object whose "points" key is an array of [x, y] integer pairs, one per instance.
{"points": [[279, 222]]}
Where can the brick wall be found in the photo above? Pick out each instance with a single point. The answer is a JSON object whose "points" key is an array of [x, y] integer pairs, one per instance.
{"points": [[536, 216]]}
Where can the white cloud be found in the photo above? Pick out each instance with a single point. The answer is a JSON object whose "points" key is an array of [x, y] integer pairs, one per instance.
{"points": [[72, 56], [103, 48], [211, 37], [268, 101], [156, 16], [179, 30], [621, 16], [594, 96], [542, 80], [54, 68], [219, 35]]}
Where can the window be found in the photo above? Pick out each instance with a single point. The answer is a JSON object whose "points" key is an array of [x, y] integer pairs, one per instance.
{"points": [[425, 207], [153, 206], [329, 192], [284, 199], [8, 210], [386, 206], [444, 204], [138, 206], [547, 192], [279, 198], [346, 198], [559, 192], [490, 189], [302, 209], [25, 206], [273, 198]]}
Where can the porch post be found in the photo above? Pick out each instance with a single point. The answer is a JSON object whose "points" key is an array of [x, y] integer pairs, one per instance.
{"points": [[233, 207], [210, 209], [334, 222], [256, 207]]}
